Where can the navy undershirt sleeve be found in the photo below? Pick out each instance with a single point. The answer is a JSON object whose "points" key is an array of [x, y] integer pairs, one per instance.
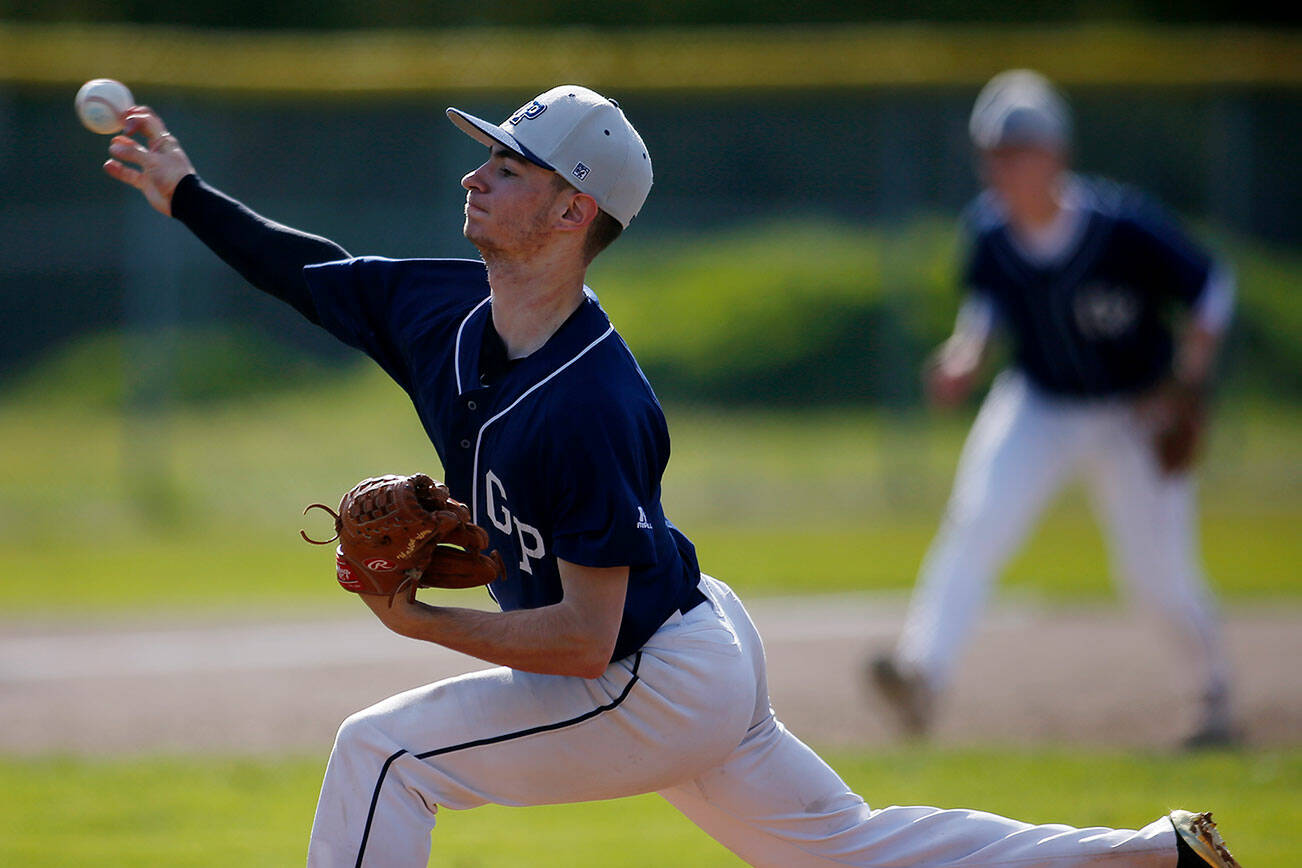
{"points": [[267, 254]]}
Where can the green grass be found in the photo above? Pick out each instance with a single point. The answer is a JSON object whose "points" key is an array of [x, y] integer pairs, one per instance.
{"points": [[201, 508], [215, 811], [1064, 562]]}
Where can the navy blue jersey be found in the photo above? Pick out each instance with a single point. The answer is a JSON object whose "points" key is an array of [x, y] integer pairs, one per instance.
{"points": [[1094, 321], [560, 456]]}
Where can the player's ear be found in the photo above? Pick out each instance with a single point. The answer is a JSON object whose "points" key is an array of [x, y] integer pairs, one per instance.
{"points": [[581, 209]]}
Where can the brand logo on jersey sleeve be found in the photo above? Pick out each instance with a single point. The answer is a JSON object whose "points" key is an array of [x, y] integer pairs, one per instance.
{"points": [[642, 523]]}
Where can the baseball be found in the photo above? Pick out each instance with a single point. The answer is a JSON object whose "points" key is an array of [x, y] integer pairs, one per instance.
{"points": [[101, 103]]}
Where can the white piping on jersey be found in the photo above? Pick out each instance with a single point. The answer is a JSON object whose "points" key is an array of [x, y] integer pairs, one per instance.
{"points": [[1081, 257], [1084, 256], [456, 353], [1053, 244], [638, 368], [479, 439]]}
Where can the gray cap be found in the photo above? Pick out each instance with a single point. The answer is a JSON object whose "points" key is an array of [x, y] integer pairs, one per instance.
{"points": [[1020, 107], [580, 135]]}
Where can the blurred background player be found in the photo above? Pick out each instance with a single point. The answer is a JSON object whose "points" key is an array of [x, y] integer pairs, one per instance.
{"points": [[1085, 278]]}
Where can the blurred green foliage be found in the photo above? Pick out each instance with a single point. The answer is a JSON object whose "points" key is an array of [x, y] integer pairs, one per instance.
{"points": [[792, 311], [798, 312], [814, 312], [194, 365], [1266, 354]]}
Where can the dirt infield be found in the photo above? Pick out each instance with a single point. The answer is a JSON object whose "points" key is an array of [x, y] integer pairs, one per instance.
{"points": [[1033, 675]]}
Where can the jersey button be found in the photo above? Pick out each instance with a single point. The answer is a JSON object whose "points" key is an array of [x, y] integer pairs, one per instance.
{"points": [[471, 405], [465, 444]]}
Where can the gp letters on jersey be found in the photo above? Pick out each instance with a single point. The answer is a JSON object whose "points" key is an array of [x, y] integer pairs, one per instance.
{"points": [[532, 545]]}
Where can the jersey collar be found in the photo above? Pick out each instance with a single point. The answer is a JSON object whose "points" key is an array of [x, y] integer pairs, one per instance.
{"points": [[1060, 242], [588, 323]]}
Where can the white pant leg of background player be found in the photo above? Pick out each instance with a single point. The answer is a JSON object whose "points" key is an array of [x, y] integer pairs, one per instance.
{"points": [[1150, 522], [1021, 449], [775, 803]]}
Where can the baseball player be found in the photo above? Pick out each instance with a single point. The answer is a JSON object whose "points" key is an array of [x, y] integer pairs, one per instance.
{"points": [[1083, 276], [620, 667]]}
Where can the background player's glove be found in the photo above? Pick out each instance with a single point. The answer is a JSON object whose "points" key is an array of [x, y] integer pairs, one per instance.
{"points": [[1180, 419], [398, 533]]}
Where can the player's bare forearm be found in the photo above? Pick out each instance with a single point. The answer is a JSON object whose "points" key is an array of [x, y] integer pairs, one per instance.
{"points": [[953, 369], [545, 640], [573, 637], [1195, 357]]}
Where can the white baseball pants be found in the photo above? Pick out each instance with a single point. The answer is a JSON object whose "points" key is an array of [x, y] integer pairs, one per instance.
{"points": [[687, 717], [1023, 446]]}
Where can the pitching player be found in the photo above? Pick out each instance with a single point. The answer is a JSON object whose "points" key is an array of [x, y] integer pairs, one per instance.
{"points": [[1082, 276], [621, 668]]}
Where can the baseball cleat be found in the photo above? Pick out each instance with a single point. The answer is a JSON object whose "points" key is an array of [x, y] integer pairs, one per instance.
{"points": [[908, 695], [1217, 728], [1211, 736], [1200, 845]]}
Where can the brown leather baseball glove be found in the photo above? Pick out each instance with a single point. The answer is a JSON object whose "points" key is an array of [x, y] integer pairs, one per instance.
{"points": [[1180, 420], [400, 533]]}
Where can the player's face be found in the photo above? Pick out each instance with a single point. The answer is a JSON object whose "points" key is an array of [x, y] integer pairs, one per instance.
{"points": [[510, 204], [1023, 177]]}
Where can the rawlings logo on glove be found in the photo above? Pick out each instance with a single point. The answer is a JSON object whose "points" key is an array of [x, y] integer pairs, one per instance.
{"points": [[400, 533]]}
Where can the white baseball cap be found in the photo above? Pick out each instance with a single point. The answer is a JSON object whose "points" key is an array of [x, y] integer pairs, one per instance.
{"points": [[1020, 107], [580, 135]]}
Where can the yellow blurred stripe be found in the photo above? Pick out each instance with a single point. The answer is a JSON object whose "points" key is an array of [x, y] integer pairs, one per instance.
{"points": [[699, 59]]}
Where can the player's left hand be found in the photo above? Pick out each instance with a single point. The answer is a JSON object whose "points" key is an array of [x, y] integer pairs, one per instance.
{"points": [[398, 533], [399, 613], [950, 373], [1176, 412]]}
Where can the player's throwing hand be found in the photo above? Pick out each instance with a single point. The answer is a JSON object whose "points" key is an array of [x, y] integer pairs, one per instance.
{"points": [[162, 162]]}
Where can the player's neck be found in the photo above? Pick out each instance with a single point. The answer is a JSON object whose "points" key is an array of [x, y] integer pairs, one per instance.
{"points": [[1032, 219], [530, 302], [1035, 214]]}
